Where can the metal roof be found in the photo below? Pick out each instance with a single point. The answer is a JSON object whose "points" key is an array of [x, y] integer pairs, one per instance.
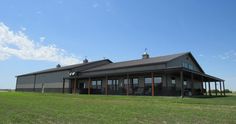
{"points": [[63, 68], [117, 65], [139, 62]]}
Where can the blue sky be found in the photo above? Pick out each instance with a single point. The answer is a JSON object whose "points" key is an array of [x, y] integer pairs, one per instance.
{"points": [[36, 35]]}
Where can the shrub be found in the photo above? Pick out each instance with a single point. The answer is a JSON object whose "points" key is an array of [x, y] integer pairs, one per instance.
{"points": [[228, 91], [218, 91]]}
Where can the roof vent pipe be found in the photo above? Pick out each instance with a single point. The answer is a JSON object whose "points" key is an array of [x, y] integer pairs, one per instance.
{"points": [[145, 54], [58, 66]]}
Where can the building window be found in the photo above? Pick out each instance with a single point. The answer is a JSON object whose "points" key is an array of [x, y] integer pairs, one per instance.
{"points": [[148, 84], [157, 80], [173, 82], [94, 84], [82, 85], [185, 83], [185, 65], [109, 85], [135, 83], [97, 84], [190, 66], [125, 82], [148, 81], [113, 84]]}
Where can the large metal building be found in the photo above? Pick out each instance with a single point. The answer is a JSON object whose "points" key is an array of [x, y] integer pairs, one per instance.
{"points": [[172, 75]]}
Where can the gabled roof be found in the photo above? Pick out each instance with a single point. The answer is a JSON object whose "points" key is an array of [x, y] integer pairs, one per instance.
{"points": [[65, 67], [118, 65], [195, 61], [139, 62]]}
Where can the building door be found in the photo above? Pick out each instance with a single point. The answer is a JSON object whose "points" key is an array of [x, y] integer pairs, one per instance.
{"points": [[82, 89]]}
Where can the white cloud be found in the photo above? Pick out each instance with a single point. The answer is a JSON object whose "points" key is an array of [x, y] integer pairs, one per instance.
{"points": [[201, 55], [42, 39], [23, 28], [17, 44], [229, 55]]}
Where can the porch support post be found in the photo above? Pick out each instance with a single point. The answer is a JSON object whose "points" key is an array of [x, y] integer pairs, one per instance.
{"points": [[182, 85], [153, 88], [106, 85], [209, 85], [74, 87], [220, 89], [166, 80], [63, 86], [216, 88], [205, 88], [202, 86], [127, 90], [192, 90], [89, 83], [224, 87]]}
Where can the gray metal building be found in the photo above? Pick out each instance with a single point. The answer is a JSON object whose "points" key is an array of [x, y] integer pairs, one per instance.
{"points": [[177, 74]]}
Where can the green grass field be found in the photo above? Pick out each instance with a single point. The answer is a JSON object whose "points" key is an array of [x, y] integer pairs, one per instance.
{"points": [[39, 108]]}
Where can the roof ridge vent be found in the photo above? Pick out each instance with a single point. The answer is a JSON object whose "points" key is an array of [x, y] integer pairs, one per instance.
{"points": [[145, 54], [85, 60]]}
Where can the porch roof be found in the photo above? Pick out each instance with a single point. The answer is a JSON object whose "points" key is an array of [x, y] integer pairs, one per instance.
{"points": [[174, 70]]}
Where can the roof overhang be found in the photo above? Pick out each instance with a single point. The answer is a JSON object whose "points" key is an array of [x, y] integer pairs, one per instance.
{"points": [[175, 70]]}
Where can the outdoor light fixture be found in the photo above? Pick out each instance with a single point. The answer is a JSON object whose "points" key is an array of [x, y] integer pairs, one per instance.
{"points": [[72, 73]]}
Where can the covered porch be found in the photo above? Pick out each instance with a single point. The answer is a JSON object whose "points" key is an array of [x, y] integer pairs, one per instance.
{"points": [[166, 82]]}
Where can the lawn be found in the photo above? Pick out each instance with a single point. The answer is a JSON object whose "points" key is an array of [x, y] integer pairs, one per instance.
{"points": [[22, 108]]}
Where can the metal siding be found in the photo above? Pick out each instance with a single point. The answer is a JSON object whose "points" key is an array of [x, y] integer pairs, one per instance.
{"points": [[52, 80], [197, 84], [179, 62], [25, 82]]}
